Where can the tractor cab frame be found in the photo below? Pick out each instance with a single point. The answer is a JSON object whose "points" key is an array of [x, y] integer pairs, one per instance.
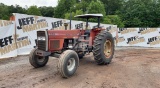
{"points": [[88, 16]]}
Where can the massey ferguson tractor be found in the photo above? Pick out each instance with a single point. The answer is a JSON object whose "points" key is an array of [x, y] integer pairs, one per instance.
{"points": [[71, 45]]}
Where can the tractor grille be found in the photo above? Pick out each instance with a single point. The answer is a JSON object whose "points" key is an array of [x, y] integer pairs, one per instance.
{"points": [[41, 43], [55, 44], [40, 33]]}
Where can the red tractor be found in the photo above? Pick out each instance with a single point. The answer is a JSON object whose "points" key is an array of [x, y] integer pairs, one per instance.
{"points": [[71, 45]]}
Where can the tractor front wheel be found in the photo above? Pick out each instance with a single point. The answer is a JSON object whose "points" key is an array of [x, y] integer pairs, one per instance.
{"points": [[37, 61], [68, 63], [103, 48]]}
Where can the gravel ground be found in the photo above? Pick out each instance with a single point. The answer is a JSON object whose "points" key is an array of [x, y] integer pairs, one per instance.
{"points": [[131, 67]]}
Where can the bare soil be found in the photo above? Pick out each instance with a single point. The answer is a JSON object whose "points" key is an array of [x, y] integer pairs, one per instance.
{"points": [[130, 68]]}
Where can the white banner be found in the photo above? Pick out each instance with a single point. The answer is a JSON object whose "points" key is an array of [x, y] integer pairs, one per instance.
{"points": [[26, 27], [143, 37], [7, 39]]}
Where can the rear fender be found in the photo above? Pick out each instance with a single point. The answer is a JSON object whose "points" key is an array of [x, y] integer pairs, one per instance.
{"points": [[93, 34]]}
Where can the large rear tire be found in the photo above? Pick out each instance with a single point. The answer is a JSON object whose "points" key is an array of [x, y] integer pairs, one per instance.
{"points": [[103, 48], [37, 61], [68, 63]]}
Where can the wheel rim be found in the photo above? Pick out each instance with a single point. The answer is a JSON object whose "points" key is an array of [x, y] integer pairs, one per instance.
{"points": [[40, 58], [71, 64], [108, 48]]}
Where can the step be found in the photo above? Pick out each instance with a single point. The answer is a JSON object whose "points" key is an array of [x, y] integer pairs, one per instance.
{"points": [[84, 35], [82, 40]]}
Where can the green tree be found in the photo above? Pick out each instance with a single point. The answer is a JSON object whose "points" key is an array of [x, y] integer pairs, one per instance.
{"points": [[139, 13], [80, 6], [4, 12], [47, 11], [96, 7], [113, 19], [78, 12], [33, 10], [157, 13], [16, 9], [63, 7], [111, 6]]}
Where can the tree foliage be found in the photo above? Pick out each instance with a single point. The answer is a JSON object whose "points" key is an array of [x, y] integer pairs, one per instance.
{"points": [[78, 12], [96, 7], [113, 19], [111, 6], [47, 11], [63, 7], [33, 10], [4, 12], [140, 13]]}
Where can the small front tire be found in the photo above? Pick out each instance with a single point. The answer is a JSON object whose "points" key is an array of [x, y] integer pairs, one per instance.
{"points": [[68, 63], [37, 61]]}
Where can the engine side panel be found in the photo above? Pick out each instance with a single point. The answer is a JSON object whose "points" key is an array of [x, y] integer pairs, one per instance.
{"points": [[56, 38], [55, 44], [64, 34]]}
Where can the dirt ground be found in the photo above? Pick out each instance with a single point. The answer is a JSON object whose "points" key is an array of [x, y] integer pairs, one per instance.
{"points": [[130, 68]]}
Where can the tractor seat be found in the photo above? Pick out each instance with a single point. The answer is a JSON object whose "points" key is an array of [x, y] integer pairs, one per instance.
{"points": [[87, 32]]}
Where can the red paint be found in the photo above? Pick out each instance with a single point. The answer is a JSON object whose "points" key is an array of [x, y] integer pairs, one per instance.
{"points": [[69, 34]]}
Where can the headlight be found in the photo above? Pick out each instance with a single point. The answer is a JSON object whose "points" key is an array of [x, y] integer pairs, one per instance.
{"points": [[41, 38]]}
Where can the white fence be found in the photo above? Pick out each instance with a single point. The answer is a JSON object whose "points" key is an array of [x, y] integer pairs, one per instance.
{"points": [[18, 37], [143, 37], [8, 46]]}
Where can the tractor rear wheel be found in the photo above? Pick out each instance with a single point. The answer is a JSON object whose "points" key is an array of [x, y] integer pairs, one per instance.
{"points": [[37, 61], [103, 48], [68, 63]]}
